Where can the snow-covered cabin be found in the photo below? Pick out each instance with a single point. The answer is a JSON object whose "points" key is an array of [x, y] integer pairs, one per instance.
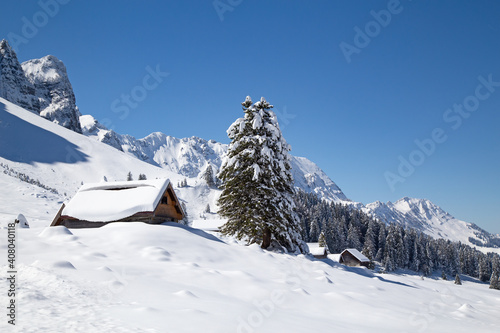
{"points": [[94, 205], [318, 252], [352, 257]]}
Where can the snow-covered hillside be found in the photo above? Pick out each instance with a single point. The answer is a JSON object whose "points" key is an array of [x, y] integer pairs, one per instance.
{"points": [[135, 277], [57, 161]]}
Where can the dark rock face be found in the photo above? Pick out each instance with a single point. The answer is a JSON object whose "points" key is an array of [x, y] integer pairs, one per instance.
{"points": [[40, 86], [54, 91], [14, 86]]}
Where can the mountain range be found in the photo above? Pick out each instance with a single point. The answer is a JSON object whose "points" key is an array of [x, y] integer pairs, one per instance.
{"points": [[41, 86]]}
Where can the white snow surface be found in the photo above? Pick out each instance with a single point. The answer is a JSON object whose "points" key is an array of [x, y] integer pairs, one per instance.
{"points": [[102, 202], [135, 277]]}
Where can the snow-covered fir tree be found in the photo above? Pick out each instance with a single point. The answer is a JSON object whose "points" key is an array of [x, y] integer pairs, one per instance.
{"points": [[458, 281], [142, 176], [208, 176], [129, 176], [257, 184], [494, 282], [321, 239]]}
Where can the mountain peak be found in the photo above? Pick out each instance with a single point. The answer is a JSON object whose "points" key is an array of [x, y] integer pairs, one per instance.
{"points": [[54, 91], [40, 86]]}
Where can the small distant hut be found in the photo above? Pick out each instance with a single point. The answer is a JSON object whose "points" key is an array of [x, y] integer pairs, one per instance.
{"points": [[352, 257], [318, 252], [95, 205]]}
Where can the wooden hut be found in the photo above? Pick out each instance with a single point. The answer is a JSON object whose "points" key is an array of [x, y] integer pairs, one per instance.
{"points": [[352, 257], [318, 252], [95, 205]]}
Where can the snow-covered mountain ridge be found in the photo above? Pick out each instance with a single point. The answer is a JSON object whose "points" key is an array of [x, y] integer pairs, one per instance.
{"points": [[42, 86], [191, 156], [424, 215]]}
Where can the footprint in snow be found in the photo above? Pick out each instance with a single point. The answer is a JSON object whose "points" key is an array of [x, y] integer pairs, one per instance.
{"points": [[63, 264], [156, 253], [324, 279], [301, 291], [185, 293]]}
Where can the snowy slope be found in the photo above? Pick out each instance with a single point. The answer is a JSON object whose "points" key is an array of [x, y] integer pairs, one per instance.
{"points": [[134, 277], [61, 160]]}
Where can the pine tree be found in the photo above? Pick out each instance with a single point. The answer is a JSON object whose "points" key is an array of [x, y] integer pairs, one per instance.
{"points": [[321, 239], [142, 176], [369, 249], [208, 176], [353, 237], [457, 279], [257, 185], [314, 231], [381, 243], [494, 282], [207, 208], [129, 176]]}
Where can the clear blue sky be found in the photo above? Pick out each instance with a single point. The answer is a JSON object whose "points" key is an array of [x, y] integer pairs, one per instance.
{"points": [[354, 119]]}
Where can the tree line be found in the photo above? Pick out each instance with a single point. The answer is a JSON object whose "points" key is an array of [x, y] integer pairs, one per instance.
{"points": [[393, 246]]}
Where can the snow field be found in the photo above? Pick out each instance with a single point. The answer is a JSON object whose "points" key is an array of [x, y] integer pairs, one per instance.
{"points": [[134, 277]]}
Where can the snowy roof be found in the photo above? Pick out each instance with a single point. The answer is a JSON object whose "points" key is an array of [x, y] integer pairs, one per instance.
{"points": [[315, 249], [358, 255], [209, 225], [111, 201]]}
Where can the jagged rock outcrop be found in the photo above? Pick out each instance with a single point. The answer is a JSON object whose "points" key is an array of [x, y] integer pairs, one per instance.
{"points": [[54, 91], [14, 86], [40, 86]]}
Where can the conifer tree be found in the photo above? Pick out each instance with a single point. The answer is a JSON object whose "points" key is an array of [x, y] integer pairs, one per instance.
{"points": [[353, 237], [257, 185], [208, 176], [381, 243], [457, 279], [129, 176], [494, 282], [369, 249], [321, 239]]}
